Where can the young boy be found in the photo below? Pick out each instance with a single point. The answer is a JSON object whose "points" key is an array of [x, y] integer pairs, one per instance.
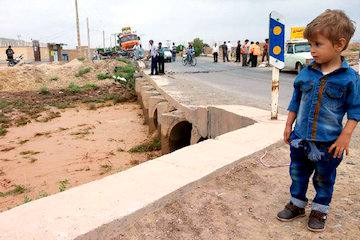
{"points": [[323, 92]]}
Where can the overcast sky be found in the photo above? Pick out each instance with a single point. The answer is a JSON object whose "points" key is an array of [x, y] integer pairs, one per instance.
{"points": [[161, 20]]}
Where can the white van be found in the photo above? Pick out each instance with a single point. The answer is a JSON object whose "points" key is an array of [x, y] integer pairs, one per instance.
{"points": [[297, 55]]}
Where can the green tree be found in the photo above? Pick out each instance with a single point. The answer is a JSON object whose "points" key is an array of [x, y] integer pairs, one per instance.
{"points": [[179, 48], [198, 46]]}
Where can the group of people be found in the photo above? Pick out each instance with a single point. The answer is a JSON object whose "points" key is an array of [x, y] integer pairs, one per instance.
{"points": [[247, 53], [157, 58]]}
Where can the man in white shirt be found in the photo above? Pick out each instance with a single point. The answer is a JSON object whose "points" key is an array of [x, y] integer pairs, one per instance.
{"points": [[215, 51], [154, 58], [229, 46]]}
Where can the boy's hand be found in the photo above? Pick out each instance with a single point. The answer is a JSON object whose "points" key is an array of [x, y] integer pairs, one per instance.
{"points": [[287, 133], [341, 144]]}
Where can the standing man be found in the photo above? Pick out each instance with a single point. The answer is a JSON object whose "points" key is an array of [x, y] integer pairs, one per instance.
{"points": [[161, 59], [245, 52], [154, 58], [225, 52], [251, 51], [215, 51], [238, 50], [256, 53], [10, 54], [266, 51], [173, 51], [229, 47]]}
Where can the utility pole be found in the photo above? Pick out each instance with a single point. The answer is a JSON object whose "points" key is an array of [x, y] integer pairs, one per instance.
{"points": [[115, 39], [88, 38], [104, 39], [77, 25]]}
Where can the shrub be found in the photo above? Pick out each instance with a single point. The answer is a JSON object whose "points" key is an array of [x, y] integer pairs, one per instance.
{"points": [[74, 88], [198, 46], [44, 90], [102, 76], [81, 59], [126, 72], [82, 71], [90, 86], [179, 48], [154, 145], [3, 131], [63, 185]]}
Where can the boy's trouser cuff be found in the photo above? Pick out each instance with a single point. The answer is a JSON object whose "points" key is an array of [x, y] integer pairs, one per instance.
{"points": [[297, 202], [320, 207]]}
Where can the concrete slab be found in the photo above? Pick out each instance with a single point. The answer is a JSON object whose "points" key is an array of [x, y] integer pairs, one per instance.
{"points": [[83, 209], [100, 208]]}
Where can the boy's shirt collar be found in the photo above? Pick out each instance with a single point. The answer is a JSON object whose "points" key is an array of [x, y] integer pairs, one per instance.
{"points": [[315, 66]]}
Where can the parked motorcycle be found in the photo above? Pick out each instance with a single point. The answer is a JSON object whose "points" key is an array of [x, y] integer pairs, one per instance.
{"points": [[13, 62]]}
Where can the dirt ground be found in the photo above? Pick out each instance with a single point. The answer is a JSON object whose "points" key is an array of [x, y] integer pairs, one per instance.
{"points": [[243, 203], [31, 77], [65, 137]]}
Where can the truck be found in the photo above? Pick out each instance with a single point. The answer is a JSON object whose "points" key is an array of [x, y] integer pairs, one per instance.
{"points": [[127, 40], [297, 50], [297, 55]]}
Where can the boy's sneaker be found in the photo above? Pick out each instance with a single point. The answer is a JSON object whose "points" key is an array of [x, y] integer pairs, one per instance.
{"points": [[317, 221], [290, 213]]}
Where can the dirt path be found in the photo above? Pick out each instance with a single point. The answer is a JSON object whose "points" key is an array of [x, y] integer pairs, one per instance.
{"points": [[79, 146], [243, 203]]}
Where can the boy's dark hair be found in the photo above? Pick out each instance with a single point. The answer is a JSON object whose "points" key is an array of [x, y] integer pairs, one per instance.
{"points": [[333, 24]]}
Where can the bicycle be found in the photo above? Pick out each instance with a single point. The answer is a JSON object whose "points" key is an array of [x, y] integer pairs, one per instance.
{"points": [[191, 62]]}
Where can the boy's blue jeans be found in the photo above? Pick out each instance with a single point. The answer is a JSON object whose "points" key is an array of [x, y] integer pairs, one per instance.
{"points": [[301, 168]]}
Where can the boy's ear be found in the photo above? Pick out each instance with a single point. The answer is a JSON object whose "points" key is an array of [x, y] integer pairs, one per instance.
{"points": [[340, 45]]}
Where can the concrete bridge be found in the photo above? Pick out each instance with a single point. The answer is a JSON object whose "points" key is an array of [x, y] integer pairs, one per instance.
{"points": [[180, 125]]}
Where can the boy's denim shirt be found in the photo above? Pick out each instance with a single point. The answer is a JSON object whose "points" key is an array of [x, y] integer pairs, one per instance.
{"points": [[321, 102]]}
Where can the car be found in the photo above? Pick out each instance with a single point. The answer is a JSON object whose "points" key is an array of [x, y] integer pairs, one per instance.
{"points": [[297, 55], [167, 54]]}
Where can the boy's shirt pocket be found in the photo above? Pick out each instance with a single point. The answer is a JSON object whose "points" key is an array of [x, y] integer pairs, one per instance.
{"points": [[334, 99]]}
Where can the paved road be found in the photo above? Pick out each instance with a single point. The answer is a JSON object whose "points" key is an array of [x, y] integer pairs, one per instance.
{"points": [[227, 83]]}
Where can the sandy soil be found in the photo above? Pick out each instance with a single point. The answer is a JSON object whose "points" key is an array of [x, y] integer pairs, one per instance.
{"points": [[79, 146], [59, 138], [243, 203]]}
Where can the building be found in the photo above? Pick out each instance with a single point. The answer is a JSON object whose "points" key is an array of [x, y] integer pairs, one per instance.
{"points": [[34, 51]]}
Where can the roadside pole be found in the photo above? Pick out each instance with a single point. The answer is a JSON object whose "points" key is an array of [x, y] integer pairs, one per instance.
{"points": [[276, 54], [77, 25], [88, 38], [104, 40], [275, 93]]}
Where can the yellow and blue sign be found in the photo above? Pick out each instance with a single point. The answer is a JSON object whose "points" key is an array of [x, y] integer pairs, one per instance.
{"points": [[276, 40]]}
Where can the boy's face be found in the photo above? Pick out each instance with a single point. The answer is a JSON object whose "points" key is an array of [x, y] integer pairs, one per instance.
{"points": [[323, 50]]}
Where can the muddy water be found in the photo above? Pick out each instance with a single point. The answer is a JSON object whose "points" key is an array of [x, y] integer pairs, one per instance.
{"points": [[78, 147]]}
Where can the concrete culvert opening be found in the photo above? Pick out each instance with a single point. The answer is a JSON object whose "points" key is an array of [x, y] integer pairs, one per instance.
{"points": [[155, 117], [202, 139], [180, 136]]}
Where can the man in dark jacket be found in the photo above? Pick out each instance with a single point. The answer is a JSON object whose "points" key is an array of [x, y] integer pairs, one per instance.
{"points": [[10, 53], [238, 50], [161, 59], [225, 52]]}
